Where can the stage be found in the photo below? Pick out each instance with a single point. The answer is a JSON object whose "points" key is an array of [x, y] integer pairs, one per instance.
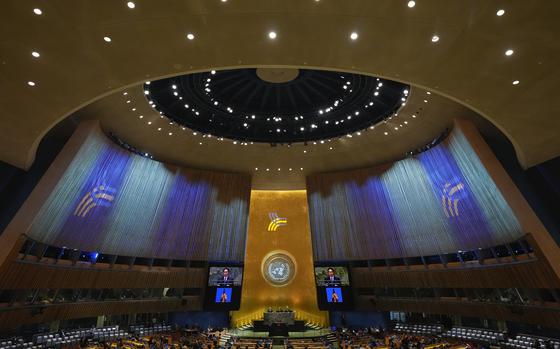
{"points": [[279, 329], [308, 333]]}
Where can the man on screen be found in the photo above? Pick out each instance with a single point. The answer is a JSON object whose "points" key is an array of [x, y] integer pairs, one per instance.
{"points": [[331, 279], [226, 279]]}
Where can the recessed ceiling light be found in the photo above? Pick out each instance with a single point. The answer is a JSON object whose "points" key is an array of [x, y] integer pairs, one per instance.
{"points": [[425, 101], [170, 133], [190, 36], [500, 12], [435, 38], [411, 4], [385, 133], [31, 83], [107, 39], [353, 35], [515, 82], [149, 122], [131, 4], [140, 116], [213, 72], [428, 93], [272, 35], [35, 54], [37, 11], [301, 168], [509, 52]]}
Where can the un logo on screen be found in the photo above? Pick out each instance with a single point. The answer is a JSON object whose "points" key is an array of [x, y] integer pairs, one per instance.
{"points": [[278, 268], [102, 195], [452, 193]]}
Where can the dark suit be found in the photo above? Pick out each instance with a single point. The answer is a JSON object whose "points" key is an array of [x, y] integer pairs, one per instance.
{"points": [[334, 281], [225, 281]]}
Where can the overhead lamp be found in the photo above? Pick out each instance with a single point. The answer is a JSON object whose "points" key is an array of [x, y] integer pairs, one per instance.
{"points": [[411, 4], [190, 36], [509, 52], [37, 11], [131, 4], [354, 36], [435, 38], [500, 12], [272, 35]]}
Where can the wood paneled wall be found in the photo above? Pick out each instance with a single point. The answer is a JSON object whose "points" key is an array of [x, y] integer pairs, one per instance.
{"points": [[12, 318], [25, 275], [535, 273], [547, 317]]}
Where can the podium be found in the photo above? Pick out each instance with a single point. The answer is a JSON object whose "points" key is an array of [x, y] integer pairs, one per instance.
{"points": [[279, 323], [279, 317]]}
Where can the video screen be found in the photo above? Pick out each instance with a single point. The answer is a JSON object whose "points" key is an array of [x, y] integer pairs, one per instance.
{"points": [[223, 295], [225, 276], [332, 276], [334, 295]]}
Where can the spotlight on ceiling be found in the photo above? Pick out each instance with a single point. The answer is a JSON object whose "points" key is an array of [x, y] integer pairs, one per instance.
{"points": [[354, 36], [515, 82], [31, 83], [500, 12], [272, 35], [190, 36], [131, 4], [35, 54], [411, 4], [37, 11], [509, 52], [107, 39], [435, 38]]}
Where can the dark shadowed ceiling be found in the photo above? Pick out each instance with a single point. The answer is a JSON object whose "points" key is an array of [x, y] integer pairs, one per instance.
{"points": [[472, 60]]}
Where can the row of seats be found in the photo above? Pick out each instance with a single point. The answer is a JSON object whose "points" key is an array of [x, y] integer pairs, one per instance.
{"points": [[476, 334], [526, 342], [419, 329], [69, 338], [146, 331], [17, 343]]}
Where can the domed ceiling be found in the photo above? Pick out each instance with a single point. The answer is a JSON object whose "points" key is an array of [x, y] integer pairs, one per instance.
{"points": [[152, 120], [498, 59], [276, 105]]}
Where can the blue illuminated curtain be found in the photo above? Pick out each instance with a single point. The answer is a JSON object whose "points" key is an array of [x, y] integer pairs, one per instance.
{"points": [[116, 202], [440, 201]]}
